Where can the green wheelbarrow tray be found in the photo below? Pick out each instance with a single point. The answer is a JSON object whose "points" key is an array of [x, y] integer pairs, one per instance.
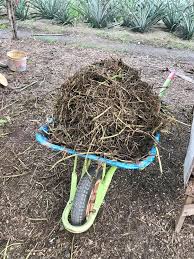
{"points": [[107, 168]]}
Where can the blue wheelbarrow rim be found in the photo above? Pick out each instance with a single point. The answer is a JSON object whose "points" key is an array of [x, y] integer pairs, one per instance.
{"points": [[43, 139]]}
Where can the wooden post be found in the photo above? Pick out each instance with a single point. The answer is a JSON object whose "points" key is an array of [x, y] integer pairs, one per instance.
{"points": [[188, 207], [189, 159], [11, 6]]}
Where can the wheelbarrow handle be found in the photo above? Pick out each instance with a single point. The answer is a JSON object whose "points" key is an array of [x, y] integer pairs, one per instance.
{"points": [[167, 84]]}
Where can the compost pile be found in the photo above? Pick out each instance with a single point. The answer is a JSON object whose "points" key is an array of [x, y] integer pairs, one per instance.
{"points": [[106, 109]]}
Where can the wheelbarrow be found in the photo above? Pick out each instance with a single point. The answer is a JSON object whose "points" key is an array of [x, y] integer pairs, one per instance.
{"points": [[87, 196]]}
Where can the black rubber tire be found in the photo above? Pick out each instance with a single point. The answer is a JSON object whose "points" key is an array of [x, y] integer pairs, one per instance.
{"points": [[84, 189]]}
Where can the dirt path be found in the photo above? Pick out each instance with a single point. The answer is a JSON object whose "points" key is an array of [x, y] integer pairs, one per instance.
{"points": [[137, 218], [81, 39]]}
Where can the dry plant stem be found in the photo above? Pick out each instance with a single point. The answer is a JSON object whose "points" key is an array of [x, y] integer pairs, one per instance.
{"points": [[183, 123], [159, 160], [71, 156], [13, 176], [5, 251], [6, 106], [31, 251], [105, 108], [72, 245]]}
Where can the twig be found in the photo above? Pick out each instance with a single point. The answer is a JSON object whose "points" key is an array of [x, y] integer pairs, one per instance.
{"points": [[159, 160], [183, 123], [33, 83], [137, 130], [6, 106], [48, 34], [13, 176], [97, 117], [21, 162], [29, 254], [72, 245], [150, 221], [38, 219], [50, 233], [21, 153], [113, 136], [7, 246], [81, 153], [5, 251]]}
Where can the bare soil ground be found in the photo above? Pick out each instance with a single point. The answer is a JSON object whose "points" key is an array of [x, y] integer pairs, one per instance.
{"points": [[157, 37], [138, 215], [113, 39]]}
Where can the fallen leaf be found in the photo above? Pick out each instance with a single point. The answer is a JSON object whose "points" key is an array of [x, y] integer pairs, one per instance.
{"points": [[3, 121], [3, 80]]}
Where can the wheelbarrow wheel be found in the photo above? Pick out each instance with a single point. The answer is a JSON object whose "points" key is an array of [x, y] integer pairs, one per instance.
{"points": [[85, 197]]}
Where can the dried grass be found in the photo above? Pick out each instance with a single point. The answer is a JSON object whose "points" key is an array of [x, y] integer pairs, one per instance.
{"points": [[105, 108]]}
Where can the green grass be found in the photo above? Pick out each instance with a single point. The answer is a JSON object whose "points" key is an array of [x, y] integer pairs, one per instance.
{"points": [[156, 39], [4, 26], [47, 39], [45, 26], [98, 47]]}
